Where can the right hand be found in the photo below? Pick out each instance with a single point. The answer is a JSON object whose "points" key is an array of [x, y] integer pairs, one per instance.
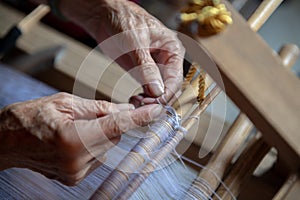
{"points": [[64, 137], [142, 45]]}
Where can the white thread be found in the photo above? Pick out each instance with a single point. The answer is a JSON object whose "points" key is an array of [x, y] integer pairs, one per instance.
{"points": [[158, 101], [173, 119], [165, 129], [140, 150], [194, 117], [182, 129], [179, 157], [164, 99], [204, 168]]}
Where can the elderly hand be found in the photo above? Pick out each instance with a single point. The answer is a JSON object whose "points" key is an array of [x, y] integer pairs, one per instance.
{"points": [[148, 50], [64, 137]]}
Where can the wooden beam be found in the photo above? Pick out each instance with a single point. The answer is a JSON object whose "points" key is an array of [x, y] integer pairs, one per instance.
{"points": [[256, 81], [262, 13]]}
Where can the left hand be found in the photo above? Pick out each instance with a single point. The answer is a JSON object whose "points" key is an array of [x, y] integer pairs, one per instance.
{"points": [[63, 136], [151, 52]]}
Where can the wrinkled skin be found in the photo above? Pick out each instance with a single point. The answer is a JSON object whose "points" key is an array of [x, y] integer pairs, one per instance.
{"points": [[150, 52], [65, 137]]}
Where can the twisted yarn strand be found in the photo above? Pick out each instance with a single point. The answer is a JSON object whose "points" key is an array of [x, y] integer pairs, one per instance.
{"points": [[201, 90], [211, 16], [190, 75]]}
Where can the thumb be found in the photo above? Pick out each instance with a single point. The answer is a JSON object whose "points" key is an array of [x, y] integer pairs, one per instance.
{"points": [[117, 123], [91, 109], [147, 73], [113, 125]]}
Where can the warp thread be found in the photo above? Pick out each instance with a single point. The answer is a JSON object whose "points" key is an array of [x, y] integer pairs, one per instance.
{"points": [[125, 184], [160, 131], [139, 178], [195, 191]]}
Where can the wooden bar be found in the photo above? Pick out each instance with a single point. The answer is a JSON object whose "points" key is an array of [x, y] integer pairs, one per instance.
{"points": [[255, 80], [221, 159], [243, 169], [240, 129], [262, 13], [287, 186], [288, 54], [294, 191], [35, 16]]}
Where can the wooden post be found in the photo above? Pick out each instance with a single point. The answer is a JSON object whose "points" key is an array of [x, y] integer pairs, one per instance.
{"points": [[239, 175], [270, 101], [262, 13], [242, 126]]}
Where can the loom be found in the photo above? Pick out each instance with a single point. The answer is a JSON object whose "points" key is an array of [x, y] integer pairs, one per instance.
{"points": [[150, 167]]}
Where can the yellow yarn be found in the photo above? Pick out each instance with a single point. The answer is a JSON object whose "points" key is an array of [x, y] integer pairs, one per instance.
{"points": [[190, 75], [201, 86], [211, 16]]}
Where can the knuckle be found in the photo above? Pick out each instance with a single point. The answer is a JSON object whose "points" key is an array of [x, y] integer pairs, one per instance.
{"points": [[63, 98], [142, 56], [13, 109], [9, 110], [179, 48], [153, 23], [128, 120], [104, 105], [148, 69], [115, 127], [111, 126], [140, 119], [11, 116], [63, 95]]}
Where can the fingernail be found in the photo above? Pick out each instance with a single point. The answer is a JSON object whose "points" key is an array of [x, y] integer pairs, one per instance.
{"points": [[155, 88], [148, 100], [131, 107], [125, 106], [136, 101]]}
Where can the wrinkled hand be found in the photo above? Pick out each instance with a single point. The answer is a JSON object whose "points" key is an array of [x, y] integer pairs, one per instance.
{"points": [[145, 47], [65, 137]]}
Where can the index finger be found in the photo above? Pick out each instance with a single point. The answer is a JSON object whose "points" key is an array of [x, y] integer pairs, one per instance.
{"points": [[113, 125], [169, 56], [118, 123]]}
